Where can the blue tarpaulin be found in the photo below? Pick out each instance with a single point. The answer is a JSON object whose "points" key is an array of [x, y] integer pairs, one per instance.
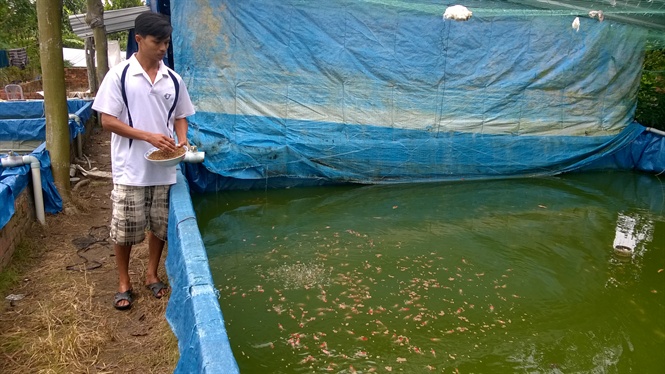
{"points": [[193, 311], [14, 180], [25, 120], [389, 91], [645, 154]]}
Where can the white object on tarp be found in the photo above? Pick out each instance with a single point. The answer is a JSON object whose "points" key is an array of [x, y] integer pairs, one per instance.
{"points": [[576, 24], [597, 13], [457, 13]]}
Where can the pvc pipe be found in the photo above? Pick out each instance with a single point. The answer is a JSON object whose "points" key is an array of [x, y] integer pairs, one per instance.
{"points": [[194, 157], [79, 139], [13, 161], [656, 131]]}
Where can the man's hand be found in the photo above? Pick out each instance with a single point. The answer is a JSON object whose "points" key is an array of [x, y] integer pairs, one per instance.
{"points": [[162, 142]]}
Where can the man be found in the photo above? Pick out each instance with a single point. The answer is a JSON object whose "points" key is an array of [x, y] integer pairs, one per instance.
{"points": [[142, 103]]}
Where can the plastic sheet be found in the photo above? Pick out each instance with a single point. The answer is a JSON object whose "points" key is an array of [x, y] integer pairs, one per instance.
{"points": [[14, 180], [646, 153], [193, 310], [389, 92], [24, 120]]}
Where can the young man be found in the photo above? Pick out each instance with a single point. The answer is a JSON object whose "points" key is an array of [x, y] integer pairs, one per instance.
{"points": [[143, 103]]}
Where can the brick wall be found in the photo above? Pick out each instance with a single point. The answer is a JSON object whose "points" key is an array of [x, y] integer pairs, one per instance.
{"points": [[18, 226], [76, 79]]}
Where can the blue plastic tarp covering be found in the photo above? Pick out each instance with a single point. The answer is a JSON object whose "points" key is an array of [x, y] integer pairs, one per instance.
{"points": [[193, 311], [15, 179], [25, 120], [645, 154], [388, 91]]}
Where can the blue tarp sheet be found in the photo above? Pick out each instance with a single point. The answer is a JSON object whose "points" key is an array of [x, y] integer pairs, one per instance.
{"points": [[645, 154], [14, 180], [25, 120], [388, 91], [193, 311]]}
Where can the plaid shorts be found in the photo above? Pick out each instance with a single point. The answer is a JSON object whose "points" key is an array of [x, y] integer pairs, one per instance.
{"points": [[137, 209]]}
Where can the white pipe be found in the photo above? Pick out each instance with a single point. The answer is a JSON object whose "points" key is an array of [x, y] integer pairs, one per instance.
{"points": [[656, 131], [194, 157], [79, 139], [12, 161]]}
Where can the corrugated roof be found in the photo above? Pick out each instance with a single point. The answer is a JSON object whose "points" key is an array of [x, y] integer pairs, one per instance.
{"points": [[114, 20]]}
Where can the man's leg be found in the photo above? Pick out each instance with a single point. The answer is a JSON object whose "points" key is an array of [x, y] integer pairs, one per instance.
{"points": [[155, 247], [128, 224], [158, 231], [122, 262]]}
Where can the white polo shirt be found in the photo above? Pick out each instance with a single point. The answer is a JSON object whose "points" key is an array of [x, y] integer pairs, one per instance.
{"points": [[149, 106]]}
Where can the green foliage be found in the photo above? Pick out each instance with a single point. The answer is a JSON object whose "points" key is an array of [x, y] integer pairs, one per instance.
{"points": [[69, 8], [121, 4], [121, 37], [22, 257], [651, 96], [19, 28], [13, 74], [74, 42], [18, 22]]}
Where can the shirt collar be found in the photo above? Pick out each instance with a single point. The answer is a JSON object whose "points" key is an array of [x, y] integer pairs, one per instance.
{"points": [[135, 67]]}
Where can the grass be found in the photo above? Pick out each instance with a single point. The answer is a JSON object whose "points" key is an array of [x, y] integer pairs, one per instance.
{"points": [[71, 333], [62, 334], [23, 256], [63, 328]]}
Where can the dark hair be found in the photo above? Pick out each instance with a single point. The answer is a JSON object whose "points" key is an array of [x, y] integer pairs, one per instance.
{"points": [[153, 24]]}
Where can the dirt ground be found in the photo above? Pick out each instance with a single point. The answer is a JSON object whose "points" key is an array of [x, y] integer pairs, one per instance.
{"points": [[66, 322]]}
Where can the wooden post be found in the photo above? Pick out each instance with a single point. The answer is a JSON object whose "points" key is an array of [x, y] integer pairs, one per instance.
{"points": [[95, 19], [49, 17], [93, 85]]}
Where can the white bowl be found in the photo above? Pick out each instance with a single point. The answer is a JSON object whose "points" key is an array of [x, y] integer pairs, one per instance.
{"points": [[166, 163]]}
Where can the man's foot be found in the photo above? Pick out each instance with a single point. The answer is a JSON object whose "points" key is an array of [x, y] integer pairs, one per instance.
{"points": [[158, 289], [123, 300]]}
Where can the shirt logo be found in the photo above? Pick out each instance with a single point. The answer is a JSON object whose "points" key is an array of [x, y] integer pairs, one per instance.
{"points": [[167, 96]]}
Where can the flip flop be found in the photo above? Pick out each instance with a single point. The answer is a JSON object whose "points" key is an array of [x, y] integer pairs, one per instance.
{"points": [[155, 288], [120, 296]]}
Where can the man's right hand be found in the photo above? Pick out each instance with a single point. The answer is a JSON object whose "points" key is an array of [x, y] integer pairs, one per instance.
{"points": [[162, 142]]}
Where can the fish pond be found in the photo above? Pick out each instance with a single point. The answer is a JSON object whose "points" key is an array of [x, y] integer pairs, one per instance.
{"points": [[550, 275]]}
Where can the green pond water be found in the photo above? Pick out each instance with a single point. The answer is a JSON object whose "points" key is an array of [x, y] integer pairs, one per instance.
{"points": [[508, 276]]}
